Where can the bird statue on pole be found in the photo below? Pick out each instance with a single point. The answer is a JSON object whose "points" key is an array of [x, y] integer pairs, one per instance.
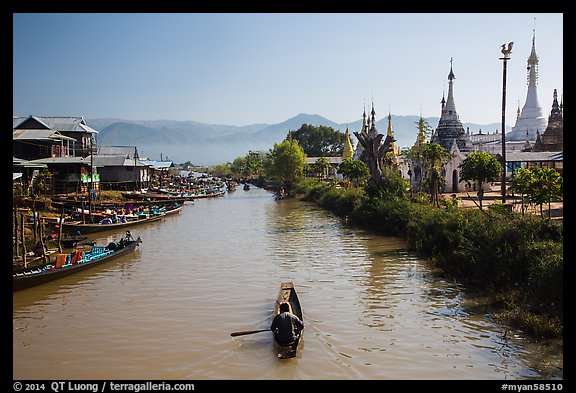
{"points": [[505, 51]]}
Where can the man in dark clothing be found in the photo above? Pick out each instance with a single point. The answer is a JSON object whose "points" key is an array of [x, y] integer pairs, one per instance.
{"points": [[286, 326]]}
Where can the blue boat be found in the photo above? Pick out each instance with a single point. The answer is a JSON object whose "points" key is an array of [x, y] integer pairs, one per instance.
{"points": [[72, 263]]}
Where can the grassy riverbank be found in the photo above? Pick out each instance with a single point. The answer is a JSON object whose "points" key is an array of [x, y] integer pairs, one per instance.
{"points": [[512, 261]]}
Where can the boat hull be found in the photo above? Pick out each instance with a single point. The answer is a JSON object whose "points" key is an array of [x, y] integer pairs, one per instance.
{"points": [[32, 280], [75, 227]]}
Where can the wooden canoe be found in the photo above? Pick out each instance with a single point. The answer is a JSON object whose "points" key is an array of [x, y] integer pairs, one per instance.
{"points": [[78, 226], [287, 294], [67, 240], [31, 277]]}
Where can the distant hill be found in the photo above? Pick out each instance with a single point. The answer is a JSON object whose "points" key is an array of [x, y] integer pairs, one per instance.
{"points": [[210, 144]]}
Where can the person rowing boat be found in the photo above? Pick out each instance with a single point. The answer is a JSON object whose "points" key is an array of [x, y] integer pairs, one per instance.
{"points": [[286, 326]]}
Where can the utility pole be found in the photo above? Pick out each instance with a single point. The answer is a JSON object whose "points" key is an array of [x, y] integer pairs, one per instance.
{"points": [[504, 58]]}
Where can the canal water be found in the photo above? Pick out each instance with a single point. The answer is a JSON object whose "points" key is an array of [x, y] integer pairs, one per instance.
{"points": [[372, 309]]}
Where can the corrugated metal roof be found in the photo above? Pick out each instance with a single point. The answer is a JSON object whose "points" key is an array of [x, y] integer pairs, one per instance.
{"points": [[529, 156], [39, 134], [22, 163], [130, 162], [61, 123], [71, 123], [25, 119], [17, 120], [126, 151], [114, 160], [106, 160], [62, 160], [157, 164]]}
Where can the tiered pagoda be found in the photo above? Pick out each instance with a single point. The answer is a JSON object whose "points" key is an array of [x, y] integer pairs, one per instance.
{"points": [[531, 121], [553, 137], [450, 130]]}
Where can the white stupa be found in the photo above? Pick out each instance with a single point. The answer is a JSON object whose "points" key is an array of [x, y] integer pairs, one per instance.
{"points": [[531, 120]]}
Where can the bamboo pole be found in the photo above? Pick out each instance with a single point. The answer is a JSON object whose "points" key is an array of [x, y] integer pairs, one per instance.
{"points": [[23, 240], [45, 257], [35, 223], [60, 231], [16, 245]]}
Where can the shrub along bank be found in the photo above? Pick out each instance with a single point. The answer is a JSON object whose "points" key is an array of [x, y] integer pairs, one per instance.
{"points": [[517, 260]]}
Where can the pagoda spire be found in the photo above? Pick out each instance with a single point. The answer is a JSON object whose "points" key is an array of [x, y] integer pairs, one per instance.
{"points": [[390, 133], [450, 106], [348, 149], [555, 107], [450, 128], [364, 123], [531, 117], [373, 131], [364, 132]]}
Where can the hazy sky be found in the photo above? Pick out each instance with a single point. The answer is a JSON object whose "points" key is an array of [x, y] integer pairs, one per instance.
{"points": [[240, 69]]}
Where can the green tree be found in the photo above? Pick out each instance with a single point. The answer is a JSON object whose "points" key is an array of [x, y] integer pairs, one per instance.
{"points": [[320, 166], [355, 170], [221, 170], [424, 131], [434, 158], [319, 141], [237, 166], [540, 185], [480, 167], [253, 164], [287, 162]]}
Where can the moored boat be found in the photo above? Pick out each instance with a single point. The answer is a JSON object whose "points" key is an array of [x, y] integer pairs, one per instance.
{"points": [[67, 240], [287, 294], [77, 261], [128, 220]]}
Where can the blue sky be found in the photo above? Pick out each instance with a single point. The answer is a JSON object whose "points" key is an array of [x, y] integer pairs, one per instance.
{"points": [[240, 69]]}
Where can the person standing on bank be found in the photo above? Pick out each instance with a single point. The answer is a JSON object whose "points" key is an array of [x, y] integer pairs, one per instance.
{"points": [[286, 326]]}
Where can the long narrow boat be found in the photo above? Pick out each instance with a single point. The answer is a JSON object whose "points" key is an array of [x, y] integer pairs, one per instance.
{"points": [[78, 226], [67, 240], [166, 196], [73, 263], [287, 294]]}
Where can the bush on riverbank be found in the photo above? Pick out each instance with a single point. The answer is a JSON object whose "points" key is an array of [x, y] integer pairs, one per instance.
{"points": [[517, 259]]}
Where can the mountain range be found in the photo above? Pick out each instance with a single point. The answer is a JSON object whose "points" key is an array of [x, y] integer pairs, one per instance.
{"points": [[211, 144]]}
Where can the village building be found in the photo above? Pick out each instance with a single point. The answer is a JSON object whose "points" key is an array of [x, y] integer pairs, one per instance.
{"points": [[120, 168], [63, 146], [75, 127]]}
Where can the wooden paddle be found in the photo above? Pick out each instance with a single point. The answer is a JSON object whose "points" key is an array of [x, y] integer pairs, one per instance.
{"points": [[248, 332]]}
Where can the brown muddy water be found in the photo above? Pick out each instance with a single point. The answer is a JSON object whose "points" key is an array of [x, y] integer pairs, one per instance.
{"points": [[372, 309]]}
